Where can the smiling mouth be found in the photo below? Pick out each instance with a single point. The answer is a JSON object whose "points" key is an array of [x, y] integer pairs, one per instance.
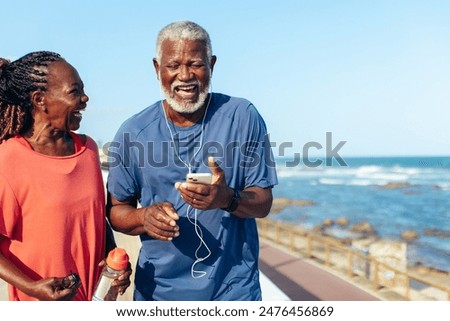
{"points": [[77, 114], [186, 91]]}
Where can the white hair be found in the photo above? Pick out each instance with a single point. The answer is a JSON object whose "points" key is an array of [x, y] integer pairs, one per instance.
{"points": [[186, 30]]}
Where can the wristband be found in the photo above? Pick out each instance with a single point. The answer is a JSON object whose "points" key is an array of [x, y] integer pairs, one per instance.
{"points": [[234, 203]]}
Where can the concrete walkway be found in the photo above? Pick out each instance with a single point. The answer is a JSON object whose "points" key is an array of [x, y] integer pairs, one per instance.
{"points": [[302, 281]]}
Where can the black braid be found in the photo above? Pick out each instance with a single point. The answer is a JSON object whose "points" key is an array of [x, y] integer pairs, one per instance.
{"points": [[17, 81]]}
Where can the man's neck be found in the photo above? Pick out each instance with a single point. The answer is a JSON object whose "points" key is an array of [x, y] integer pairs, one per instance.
{"points": [[184, 119]]}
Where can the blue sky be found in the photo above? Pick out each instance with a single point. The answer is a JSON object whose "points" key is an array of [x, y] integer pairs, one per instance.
{"points": [[374, 73]]}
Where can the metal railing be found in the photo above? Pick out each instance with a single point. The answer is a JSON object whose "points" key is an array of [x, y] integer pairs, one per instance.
{"points": [[334, 254]]}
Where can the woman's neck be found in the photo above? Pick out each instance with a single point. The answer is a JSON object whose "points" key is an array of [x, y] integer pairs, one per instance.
{"points": [[46, 140]]}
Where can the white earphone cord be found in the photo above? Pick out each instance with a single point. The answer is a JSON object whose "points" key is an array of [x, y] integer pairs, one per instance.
{"points": [[199, 233], [188, 165], [194, 273]]}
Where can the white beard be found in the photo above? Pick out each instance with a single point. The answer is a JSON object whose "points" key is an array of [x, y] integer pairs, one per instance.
{"points": [[186, 107]]}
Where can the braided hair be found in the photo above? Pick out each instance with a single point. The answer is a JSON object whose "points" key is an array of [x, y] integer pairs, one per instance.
{"points": [[17, 81]]}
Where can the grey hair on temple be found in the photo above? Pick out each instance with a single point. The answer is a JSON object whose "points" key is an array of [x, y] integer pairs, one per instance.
{"points": [[186, 30]]}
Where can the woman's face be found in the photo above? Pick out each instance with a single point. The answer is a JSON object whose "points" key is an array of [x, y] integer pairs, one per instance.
{"points": [[64, 99]]}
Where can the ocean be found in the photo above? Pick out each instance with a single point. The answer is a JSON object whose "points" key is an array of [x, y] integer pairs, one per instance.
{"points": [[418, 199]]}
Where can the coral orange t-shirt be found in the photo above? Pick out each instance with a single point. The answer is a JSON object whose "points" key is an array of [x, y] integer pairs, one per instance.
{"points": [[52, 213]]}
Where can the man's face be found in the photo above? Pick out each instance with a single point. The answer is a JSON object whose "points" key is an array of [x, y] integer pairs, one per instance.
{"points": [[184, 73]]}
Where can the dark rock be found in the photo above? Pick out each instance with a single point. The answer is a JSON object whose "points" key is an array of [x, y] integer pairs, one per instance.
{"points": [[409, 235], [396, 185], [279, 204], [437, 233], [364, 228]]}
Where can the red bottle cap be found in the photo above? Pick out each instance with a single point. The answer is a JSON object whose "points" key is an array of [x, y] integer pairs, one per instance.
{"points": [[117, 259]]}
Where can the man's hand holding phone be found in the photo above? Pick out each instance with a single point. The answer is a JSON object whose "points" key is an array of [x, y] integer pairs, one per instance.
{"points": [[203, 178], [206, 191]]}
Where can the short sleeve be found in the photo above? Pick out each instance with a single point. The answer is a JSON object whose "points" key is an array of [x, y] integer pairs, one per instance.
{"points": [[121, 183], [258, 160], [9, 209]]}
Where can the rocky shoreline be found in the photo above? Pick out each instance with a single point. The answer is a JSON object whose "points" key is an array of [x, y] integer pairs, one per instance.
{"points": [[347, 232]]}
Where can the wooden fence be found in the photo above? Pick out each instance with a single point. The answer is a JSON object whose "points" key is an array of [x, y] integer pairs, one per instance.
{"points": [[343, 258]]}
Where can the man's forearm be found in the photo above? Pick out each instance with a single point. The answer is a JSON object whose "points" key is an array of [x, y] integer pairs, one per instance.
{"points": [[255, 202], [126, 219]]}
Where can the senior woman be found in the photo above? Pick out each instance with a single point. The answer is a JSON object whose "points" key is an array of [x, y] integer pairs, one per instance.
{"points": [[52, 202]]}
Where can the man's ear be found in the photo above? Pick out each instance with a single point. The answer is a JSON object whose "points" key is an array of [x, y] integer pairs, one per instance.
{"points": [[212, 63], [38, 100], [156, 65]]}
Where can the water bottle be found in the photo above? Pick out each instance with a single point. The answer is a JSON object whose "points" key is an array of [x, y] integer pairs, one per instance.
{"points": [[116, 262]]}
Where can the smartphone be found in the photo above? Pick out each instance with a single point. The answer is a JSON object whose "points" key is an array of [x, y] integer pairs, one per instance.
{"points": [[204, 178], [71, 281]]}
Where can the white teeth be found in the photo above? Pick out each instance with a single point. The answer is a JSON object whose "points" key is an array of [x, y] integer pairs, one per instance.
{"points": [[186, 87]]}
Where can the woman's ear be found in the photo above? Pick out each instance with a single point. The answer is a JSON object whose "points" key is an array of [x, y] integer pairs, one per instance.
{"points": [[38, 100]]}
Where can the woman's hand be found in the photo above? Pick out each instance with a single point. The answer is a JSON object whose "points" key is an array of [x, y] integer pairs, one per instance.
{"points": [[123, 280], [52, 289]]}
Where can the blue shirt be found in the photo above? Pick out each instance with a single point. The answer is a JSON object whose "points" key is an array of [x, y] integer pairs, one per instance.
{"points": [[146, 161]]}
